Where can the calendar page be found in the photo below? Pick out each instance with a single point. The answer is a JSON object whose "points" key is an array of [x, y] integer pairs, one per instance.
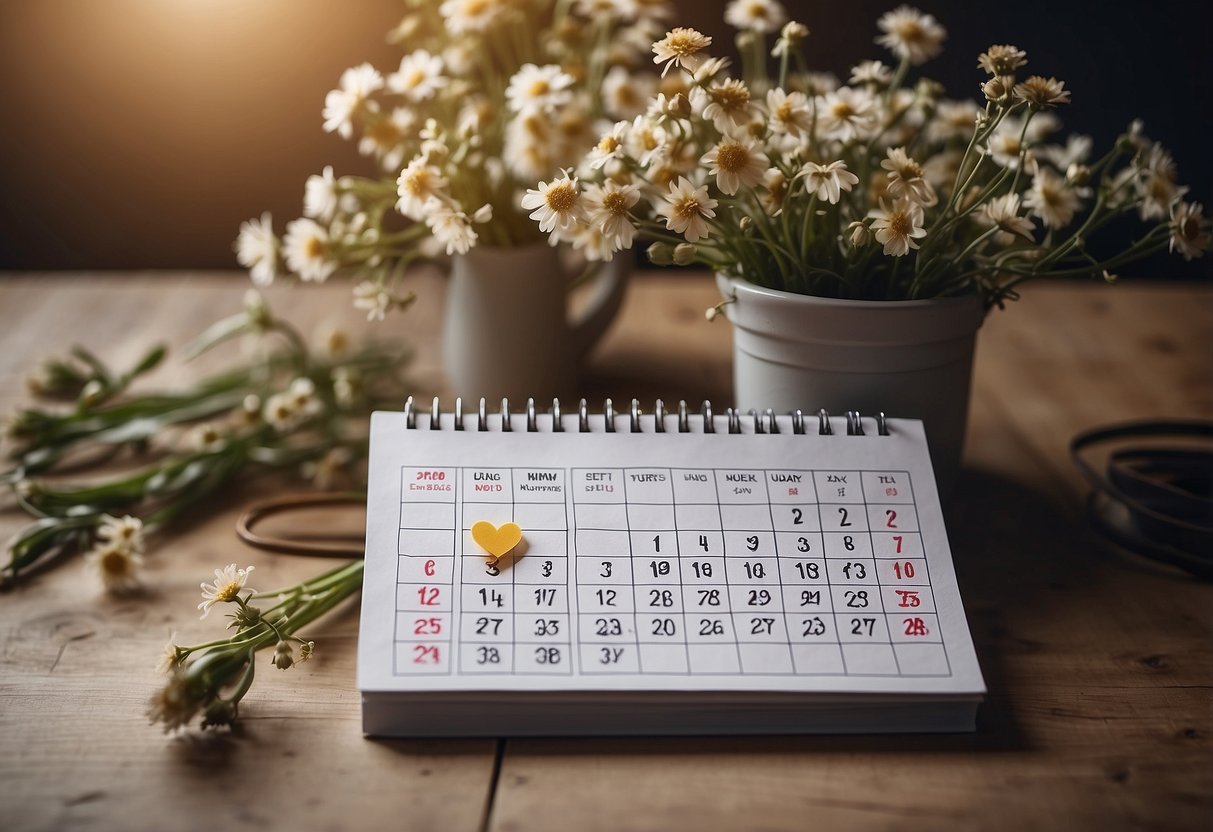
{"points": [[657, 561]]}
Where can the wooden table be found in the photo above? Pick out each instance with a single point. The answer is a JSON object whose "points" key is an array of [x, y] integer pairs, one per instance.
{"points": [[1099, 664]]}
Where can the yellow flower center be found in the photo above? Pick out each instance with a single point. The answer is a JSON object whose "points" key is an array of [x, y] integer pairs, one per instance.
{"points": [[757, 11], [384, 134], [732, 157], [731, 96], [539, 87], [560, 198], [115, 563], [911, 32], [616, 203], [474, 8], [228, 591], [1189, 229], [314, 247], [784, 111], [685, 42], [414, 79], [608, 144], [687, 207], [909, 169], [842, 110], [900, 224]]}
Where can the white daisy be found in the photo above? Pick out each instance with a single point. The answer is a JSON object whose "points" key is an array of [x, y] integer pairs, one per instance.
{"points": [[728, 105], [625, 94], [872, 72], [1002, 59], [683, 47], [463, 16], [451, 228], [384, 138], [117, 566], [952, 120], [592, 242], [775, 187], [539, 88], [372, 298], [419, 77], [257, 249], [736, 164], [687, 209], [847, 113], [1189, 230], [898, 228], [229, 583], [1005, 146], [1156, 185], [320, 196], [340, 105], [763, 16], [556, 204], [1076, 151], [1041, 92], [790, 37], [828, 181], [304, 400], [607, 208], [1003, 211], [612, 145], [911, 35], [906, 178], [126, 532], [418, 185], [305, 248], [789, 113], [204, 438], [1051, 199], [279, 412]]}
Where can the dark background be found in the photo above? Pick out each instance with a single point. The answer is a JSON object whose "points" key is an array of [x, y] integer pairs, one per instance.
{"points": [[140, 133]]}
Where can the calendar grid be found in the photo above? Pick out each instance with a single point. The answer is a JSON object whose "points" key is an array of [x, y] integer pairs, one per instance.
{"points": [[703, 602]]}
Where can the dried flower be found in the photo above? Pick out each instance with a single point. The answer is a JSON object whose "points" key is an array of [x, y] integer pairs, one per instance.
{"points": [[681, 47], [229, 583], [786, 182]]}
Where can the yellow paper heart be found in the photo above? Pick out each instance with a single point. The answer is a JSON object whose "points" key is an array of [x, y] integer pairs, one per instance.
{"points": [[496, 541]]}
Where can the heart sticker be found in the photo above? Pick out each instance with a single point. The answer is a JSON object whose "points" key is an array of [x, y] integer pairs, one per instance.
{"points": [[496, 540]]}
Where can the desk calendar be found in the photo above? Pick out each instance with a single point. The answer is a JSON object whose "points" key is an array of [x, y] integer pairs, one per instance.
{"points": [[758, 576]]}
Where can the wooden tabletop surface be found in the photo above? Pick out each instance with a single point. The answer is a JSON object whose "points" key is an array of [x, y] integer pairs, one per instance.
{"points": [[1099, 664]]}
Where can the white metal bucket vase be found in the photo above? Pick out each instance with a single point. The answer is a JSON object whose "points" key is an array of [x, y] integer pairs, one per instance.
{"points": [[906, 358], [507, 330]]}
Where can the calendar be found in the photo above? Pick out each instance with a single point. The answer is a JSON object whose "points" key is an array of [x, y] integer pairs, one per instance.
{"points": [[688, 573]]}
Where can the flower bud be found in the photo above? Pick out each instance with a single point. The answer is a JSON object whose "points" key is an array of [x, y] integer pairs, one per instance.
{"points": [[679, 106], [684, 254], [747, 222], [712, 313], [283, 656], [660, 254], [92, 393], [1078, 174], [994, 90], [794, 33], [860, 234]]}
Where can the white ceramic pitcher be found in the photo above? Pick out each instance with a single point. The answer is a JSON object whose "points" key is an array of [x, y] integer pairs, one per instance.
{"points": [[507, 330]]}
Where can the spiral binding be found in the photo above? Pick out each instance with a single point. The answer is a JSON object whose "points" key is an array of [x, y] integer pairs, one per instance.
{"points": [[733, 418]]}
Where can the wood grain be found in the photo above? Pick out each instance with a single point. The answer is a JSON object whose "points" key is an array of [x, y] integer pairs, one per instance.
{"points": [[1099, 664]]}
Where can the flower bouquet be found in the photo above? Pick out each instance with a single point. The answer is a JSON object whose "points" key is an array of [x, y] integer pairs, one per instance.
{"points": [[492, 95], [876, 189]]}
